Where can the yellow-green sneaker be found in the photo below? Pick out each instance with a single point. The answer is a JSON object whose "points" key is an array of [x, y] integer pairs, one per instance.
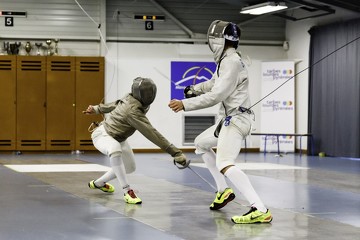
{"points": [[106, 188], [222, 199], [131, 198], [253, 216]]}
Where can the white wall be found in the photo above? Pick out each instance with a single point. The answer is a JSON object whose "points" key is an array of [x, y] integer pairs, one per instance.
{"points": [[126, 61]]}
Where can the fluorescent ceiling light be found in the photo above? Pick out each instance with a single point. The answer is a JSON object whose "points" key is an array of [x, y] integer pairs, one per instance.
{"points": [[262, 8]]}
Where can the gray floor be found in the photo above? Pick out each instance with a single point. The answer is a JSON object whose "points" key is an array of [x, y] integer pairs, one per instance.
{"points": [[310, 198]]}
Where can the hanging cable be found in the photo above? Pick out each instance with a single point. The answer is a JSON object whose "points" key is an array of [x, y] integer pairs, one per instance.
{"points": [[91, 127], [98, 25]]}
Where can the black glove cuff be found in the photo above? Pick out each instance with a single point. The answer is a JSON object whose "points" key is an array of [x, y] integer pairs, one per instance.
{"points": [[189, 92]]}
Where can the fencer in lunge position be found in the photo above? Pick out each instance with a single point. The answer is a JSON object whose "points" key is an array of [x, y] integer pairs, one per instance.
{"points": [[229, 87], [125, 116]]}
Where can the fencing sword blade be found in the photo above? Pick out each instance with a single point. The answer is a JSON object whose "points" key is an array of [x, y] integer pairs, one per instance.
{"points": [[187, 165], [202, 178], [166, 77]]}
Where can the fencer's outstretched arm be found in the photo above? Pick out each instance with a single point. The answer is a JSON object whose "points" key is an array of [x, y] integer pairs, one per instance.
{"points": [[105, 107], [101, 108], [141, 123]]}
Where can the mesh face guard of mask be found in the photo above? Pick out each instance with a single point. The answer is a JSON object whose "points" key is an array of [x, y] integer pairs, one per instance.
{"points": [[216, 31], [144, 90]]}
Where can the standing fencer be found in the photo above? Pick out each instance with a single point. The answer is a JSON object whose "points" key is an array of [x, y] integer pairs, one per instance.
{"points": [[228, 86], [125, 116]]}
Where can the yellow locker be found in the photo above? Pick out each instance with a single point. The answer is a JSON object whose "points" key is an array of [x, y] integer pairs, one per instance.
{"points": [[31, 103], [7, 102], [89, 91], [60, 103]]}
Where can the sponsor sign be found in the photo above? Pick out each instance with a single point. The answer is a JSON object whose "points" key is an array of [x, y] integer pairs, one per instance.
{"points": [[278, 109]]}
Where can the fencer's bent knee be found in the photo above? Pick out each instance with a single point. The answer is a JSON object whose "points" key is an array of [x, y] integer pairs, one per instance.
{"points": [[114, 148], [200, 147]]}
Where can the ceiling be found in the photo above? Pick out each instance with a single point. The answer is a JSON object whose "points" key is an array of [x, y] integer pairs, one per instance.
{"points": [[188, 20]]}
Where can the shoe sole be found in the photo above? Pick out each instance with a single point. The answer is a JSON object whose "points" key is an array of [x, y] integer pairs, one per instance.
{"points": [[133, 203], [258, 222], [229, 199]]}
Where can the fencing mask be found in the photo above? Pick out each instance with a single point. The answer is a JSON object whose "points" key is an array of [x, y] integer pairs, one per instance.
{"points": [[219, 32], [144, 90]]}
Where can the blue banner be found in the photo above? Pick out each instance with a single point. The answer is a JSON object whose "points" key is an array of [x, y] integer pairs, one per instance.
{"points": [[189, 73]]}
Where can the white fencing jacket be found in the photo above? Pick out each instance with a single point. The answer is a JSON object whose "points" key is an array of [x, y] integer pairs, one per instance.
{"points": [[228, 86]]}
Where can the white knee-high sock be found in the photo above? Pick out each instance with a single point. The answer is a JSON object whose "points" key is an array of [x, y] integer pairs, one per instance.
{"points": [[210, 162], [242, 183], [108, 176], [118, 167]]}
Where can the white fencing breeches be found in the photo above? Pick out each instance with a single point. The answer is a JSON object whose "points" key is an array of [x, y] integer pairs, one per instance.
{"points": [[110, 147], [228, 142]]}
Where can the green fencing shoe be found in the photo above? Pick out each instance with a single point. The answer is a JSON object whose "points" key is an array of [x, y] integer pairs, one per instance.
{"points": [[222, 199], [253, 216], [106, 188], [131, 198]]}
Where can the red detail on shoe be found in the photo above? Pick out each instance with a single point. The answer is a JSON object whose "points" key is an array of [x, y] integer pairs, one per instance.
{"points": [[131, 193], [268, 218]]}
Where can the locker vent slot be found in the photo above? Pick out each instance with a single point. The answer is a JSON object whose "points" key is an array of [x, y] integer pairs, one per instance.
{"points": [[5, 142], [194, 125], [61, 66], [5, 65], [31, 65], [30, 142], [86, 143], [89, 66], [60, 143]]}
